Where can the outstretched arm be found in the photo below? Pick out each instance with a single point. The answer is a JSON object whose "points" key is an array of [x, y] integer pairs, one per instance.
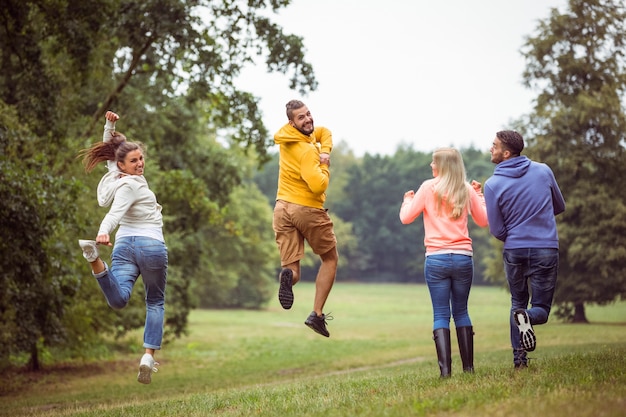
{"points": [[109, 131], [109, 126]]}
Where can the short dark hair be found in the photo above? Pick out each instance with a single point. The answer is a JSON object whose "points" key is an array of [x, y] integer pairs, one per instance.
{"points": [[291, 106], [512, 141]]}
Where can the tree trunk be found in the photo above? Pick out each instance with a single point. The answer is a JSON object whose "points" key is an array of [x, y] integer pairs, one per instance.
{"points": [[579, 313], [34, 364]]}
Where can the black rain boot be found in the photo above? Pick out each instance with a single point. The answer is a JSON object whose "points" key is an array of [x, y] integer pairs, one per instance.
{"points": [[520, 358], [465, 337], [442, 344]]}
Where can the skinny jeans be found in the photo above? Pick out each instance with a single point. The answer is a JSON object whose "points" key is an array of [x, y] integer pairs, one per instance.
{"points": [[133, 256], [531, 274], [449, 280]]}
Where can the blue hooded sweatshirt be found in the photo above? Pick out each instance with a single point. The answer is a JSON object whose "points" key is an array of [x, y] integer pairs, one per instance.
{"points": [[522, 199]]}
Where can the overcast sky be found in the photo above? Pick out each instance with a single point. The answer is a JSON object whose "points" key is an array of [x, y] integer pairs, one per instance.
{"points": [[425, 73]]}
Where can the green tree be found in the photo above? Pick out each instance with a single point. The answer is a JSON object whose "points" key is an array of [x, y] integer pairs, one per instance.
{"points": [[576, 62], [36, 280], [387, 250], [242, 257], [199, 48], [266, 178], [169, 68], [478, 165]]}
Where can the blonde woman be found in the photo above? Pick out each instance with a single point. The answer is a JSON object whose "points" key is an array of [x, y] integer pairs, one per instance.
{"points": [[446, 201]]}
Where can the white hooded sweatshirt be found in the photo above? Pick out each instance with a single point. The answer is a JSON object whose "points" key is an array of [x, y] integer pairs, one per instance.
{"points": [[134, 206]]}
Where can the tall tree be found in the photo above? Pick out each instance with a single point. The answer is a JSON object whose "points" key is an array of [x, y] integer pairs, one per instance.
{"points": [[199, 47], [576, 62], [169, 68], [36, 278]]}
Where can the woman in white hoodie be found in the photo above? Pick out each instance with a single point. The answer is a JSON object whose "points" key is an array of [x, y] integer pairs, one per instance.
{"points": [[139, 244]]}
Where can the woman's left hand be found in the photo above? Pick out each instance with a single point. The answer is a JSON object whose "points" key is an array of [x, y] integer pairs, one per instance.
{"points": [[104, 239], [112, 117]]}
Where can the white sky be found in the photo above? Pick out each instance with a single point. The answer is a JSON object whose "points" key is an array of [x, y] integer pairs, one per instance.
{"points": [[427, 73]]}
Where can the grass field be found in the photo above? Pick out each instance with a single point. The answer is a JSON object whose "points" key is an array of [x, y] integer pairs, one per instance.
{"points": [[379, 361]]}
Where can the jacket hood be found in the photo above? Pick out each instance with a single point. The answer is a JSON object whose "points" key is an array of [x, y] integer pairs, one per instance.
{"points": [[288, 134], [514, 167], [111, 182]]}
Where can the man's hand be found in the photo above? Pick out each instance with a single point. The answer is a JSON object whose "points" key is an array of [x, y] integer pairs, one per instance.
{"points": [[325, 159]]}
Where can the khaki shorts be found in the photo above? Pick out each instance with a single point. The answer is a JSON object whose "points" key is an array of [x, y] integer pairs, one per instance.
{"points": [[294, 223]]}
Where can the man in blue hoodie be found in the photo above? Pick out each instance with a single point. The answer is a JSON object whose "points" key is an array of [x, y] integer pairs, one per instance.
{"points": [[523, 199]]}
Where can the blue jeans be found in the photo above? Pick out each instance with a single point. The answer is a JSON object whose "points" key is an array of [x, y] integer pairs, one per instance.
{"points": [[537, 267], [449, 279], [134, 256]]}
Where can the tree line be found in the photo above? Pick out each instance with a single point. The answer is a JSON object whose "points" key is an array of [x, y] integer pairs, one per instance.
{"points": [[364, 199], [168, 68]]}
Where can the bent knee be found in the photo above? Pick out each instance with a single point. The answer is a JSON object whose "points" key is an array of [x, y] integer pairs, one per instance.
{"points": [[330, 256], [118, 305], [539, 315]]}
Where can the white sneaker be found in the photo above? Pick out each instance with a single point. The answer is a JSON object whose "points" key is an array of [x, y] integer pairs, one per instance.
{"points": [[90, 249], [146, 367]]}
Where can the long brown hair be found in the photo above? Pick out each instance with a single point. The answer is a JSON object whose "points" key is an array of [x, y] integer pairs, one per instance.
{"points": [[114, 150]]}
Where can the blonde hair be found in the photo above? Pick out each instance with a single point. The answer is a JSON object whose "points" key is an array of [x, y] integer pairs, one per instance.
{"points": [[451, 191]]}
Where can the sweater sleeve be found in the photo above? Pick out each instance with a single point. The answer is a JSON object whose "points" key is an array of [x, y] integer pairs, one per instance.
{"points": [[558, 202], [109, 130], [413, 206], [123, 200], [325, 139], [316, 175], [494, 215], [478, 207]]}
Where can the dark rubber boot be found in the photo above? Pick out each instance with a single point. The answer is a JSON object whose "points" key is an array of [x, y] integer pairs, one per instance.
{"points": [[442, 344], [465, 336], [520, 358]]}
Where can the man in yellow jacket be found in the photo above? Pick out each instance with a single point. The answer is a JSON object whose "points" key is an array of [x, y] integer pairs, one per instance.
{"points": [[299, 213]]}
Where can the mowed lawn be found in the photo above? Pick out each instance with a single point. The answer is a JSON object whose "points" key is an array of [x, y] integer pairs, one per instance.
{"points": [[379, 361]]}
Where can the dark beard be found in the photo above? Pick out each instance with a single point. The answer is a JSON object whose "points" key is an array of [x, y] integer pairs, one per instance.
{"points": [[306, 133]]}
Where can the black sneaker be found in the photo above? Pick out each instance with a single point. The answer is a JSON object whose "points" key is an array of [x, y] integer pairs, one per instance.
{"points": [[526, 332], [317, 323], [285, 291]]}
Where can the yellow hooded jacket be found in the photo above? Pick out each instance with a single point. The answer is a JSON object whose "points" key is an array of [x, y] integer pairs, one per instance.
{"points": [[301, 178]]}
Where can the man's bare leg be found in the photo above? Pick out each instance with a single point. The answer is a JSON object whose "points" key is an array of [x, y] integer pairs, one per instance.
{"points": [[325, 279], [295, 268]]}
